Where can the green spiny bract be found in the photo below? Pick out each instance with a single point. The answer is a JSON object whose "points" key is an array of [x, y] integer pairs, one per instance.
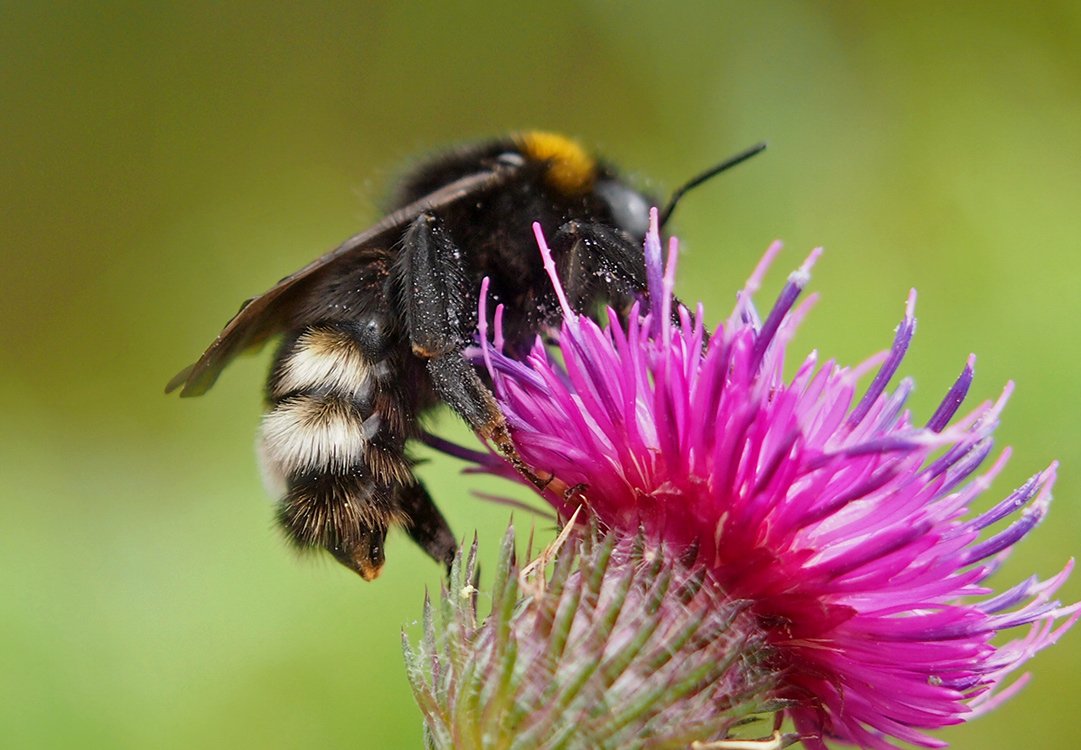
{"points": [[614, 644]]}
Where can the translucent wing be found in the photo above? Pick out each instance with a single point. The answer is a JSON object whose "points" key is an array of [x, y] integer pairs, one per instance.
{"points": [[260, 318]]}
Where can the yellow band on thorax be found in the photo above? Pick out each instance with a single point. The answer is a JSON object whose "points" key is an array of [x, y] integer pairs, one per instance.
{"points": [[571, 169]]}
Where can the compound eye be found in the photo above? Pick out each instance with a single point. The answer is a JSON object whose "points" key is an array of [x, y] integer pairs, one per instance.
{"points": [[630, 209]]}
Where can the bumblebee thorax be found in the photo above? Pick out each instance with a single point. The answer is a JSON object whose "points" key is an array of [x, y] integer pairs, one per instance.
{"points": [[570, 168]]}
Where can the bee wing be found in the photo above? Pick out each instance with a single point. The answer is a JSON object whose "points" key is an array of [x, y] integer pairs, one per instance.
{"points": [[263, 316]]}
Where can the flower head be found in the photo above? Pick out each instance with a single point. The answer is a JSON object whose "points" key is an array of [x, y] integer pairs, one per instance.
{"points": [[842, 521], [614, 645]]}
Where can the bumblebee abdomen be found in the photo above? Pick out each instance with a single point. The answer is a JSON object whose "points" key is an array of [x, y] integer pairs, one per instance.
{"points": [[323, 358], [332, 445]]}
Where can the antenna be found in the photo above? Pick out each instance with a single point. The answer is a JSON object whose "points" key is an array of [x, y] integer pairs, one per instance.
{"points": [[694, 182]]}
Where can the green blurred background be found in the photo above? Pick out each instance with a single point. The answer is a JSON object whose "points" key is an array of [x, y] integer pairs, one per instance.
{"points": [[162, 162]]}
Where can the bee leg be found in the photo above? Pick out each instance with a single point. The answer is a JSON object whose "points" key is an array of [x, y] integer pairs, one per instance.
{"points": [[435, 294], [601, 262], [598, 261], [425, 524], [459, 386]]}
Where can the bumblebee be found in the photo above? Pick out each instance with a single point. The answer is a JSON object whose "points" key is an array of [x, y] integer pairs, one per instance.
{"points": [[373, 332]]}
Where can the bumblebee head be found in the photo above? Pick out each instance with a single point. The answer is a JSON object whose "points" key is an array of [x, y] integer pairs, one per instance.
{"points": [[629, 208]]}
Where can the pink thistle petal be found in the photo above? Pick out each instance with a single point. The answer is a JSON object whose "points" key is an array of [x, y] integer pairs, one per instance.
{"points": [[844, 524]]}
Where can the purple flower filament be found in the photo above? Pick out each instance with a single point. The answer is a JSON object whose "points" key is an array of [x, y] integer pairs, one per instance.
{"points": [[843, 522]]}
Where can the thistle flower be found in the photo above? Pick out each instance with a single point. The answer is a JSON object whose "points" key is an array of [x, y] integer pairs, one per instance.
{"points": [[844, 523], [618, 646]]}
